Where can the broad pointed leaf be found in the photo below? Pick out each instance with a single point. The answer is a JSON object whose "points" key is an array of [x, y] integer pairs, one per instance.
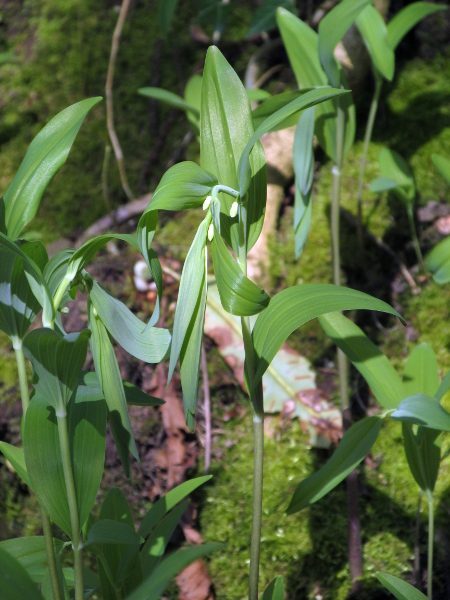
{"points": [[108, 531], [275, 590], [238, 294], [168, 97], [352, 449], [421, 374], [423, 453], [15, 581], [407, 18], [46, 154], [373, 365], [374, 33], [423, 410], [293, 307], [399, 588], [382, 184]]}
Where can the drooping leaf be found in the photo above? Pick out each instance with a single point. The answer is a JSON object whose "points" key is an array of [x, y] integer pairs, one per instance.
{"points": [[45, 155], [226, 127], [423, 410], [111, 384], [192, 279], [238, 294], [423, 453], [438, 261], [150, 345], [15, 581], [56, 361], [407, 18], [373, 365], [421, 374], [374, 33], [305, 101], [156, 544], [153, 586], [168, 97], [354, 446], [17, 459], [294, 306], [86, 423], [274, 103], [332, 29], [443, 165], [275, 590], [190, 355], [398, 587], [166, 10], [108, 531], [168, 501], [394, 167]]}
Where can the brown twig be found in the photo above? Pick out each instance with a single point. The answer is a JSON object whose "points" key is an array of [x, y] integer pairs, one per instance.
{"points": [[206, 409], [109, 99]]}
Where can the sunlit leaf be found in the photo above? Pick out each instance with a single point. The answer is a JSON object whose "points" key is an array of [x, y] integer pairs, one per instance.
{"points": [[421, 375], [423, 453], [444, 387], [256, 95], [383, 380], [294, 306], [374, 33], [45, 155], [394, 167], [400, 589], [423, 410], [407, 18], [55, 271], [382, 184], [354, 446]]}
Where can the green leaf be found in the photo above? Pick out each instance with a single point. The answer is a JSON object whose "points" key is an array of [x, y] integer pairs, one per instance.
{"points": [[421, 374], [301, 44], [423, 410], [294, 306], [382, 184], [166, 10], [193, 96], [111, 384], [156, 544], [444, 387], [87, 434], [55, 271], [256, 95], [15, 581], [407, 18], [57, 362], [438, 261], [306, 100], [393, 166], [154, 586], [34, 276], [90, 389], [136, 397], [29, 551], [302, 219], [373, 365], [226, 127], [332, 29], [400, 589], [238, 294], [150, 345], [45, 155], [192, 280], [423, 453], [168, 501], [108, 531], [275, 590], [168, 97], [274, 103], [443, 166], [190, 356], [265, 16], [17, 459], [353, 447], [374, 33]]}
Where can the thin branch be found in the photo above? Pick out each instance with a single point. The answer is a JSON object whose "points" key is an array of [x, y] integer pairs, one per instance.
{"points": [[109, 99]]}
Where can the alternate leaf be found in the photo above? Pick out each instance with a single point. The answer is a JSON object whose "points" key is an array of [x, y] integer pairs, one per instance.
{"points": [[238, 294], [423, 453], [273, 103], [407, 18], [294, 306], [400, 589], [421, 375], [45, 155], [373, 365], [306, 100], [275, 590], [423, 410], [168, 97], [393, 166], [191, 283], [374, 33], [55, 271], [332, 29], [111, 384], [442, 164], [17, 459], [15, 581], [57, 362], [438, 261], [354, 446]]}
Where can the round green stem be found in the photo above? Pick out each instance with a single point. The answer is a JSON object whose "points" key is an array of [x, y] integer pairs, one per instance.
{"points": [[367, 138], [77, 543], [430, 544], [46, 526]]}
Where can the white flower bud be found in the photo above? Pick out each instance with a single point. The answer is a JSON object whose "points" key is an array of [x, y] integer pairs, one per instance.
{"points": [[65, 310], [234, 209], [207, 202], [211, 232], [94, 310]]}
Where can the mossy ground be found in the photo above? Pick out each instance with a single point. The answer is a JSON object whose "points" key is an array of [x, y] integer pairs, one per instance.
{"points": [[308, 548]]}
